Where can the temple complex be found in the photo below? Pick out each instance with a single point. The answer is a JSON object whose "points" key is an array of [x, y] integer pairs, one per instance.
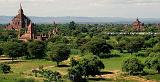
{"points": [[19, 22], [22, 22], [53, 31], [138, 25]]}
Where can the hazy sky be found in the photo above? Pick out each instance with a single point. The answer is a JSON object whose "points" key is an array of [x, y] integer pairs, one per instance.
{"points": [[91, 8]]}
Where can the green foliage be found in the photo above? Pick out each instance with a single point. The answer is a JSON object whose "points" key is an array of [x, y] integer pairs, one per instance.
{"points": [[81, 41], [153, 77], [151, 42], [36, 49], [72, 25], [14, 49], [135, 44], [4, 68], [58, 39], [1, 51], [132, 65], [153, 61], [50, 75], [59, 53], [142, 54], [156, 48], [153, 54], [98, 46], [7, 35], [87, 65]]}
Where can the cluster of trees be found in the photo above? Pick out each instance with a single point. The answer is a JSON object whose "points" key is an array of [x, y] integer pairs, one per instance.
{"points": [[88, 38], [35, 49], [134, 66]]}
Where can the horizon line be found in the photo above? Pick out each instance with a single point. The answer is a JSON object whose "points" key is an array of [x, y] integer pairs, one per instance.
{"points": [[91, 17]]}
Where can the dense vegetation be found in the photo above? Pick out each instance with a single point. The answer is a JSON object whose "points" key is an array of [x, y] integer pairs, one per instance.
{"points": [[82, 51]]}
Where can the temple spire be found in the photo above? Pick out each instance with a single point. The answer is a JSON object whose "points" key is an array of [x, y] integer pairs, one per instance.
{"points": [[20, 10], [20, 6], [137, 19]]}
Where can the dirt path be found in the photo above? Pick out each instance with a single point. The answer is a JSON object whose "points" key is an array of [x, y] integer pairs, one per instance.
{"points": [[117, 74]]}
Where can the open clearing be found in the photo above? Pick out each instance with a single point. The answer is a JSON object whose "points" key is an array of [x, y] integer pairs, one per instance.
{"points": [[22, 69]]}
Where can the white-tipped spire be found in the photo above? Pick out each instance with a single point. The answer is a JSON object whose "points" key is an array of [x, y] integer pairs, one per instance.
{"points": [[20, 10], [20, 5]]}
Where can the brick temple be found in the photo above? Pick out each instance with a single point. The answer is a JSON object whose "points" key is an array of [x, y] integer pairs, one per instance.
{"points": [[21, 21], [138, 25]]}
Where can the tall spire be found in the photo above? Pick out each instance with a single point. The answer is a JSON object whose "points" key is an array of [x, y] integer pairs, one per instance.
{"points": [[137, 19], [20, 10], [20, 6]]}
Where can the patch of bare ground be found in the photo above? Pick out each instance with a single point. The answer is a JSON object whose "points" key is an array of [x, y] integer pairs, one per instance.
{"points": [[117, 74]]}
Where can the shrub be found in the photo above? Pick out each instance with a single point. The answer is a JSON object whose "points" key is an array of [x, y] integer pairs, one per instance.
{"points": [[132, 65], [153, 54], [154, 63], [142, 54], [5, 68], [50, 75]]}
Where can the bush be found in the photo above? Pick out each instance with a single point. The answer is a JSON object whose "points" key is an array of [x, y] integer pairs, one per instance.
{"points": [[5, 68], [132, 65], [50, 75], [153, 54], [142, 54], [154, 63]]}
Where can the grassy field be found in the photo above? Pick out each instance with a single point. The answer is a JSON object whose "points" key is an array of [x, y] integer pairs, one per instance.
{"points": [[112, 63], [28, 65], [22, 69]]}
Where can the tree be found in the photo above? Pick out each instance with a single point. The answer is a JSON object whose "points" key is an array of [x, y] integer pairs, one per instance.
{"points": [[75, 74], [86, 66], [81, 41], [58, 39], [36, 49], [151, 42], [153, 61], [59, 53], [14, 49], [132, 65], [72, 25], [135, 44], [98, 46]]}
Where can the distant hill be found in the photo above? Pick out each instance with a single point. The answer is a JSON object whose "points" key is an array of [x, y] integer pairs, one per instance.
{"points": [[83, 20]]}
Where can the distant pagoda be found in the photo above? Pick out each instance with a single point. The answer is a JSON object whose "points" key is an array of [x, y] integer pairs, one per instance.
{"points": [[138, 25]]}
